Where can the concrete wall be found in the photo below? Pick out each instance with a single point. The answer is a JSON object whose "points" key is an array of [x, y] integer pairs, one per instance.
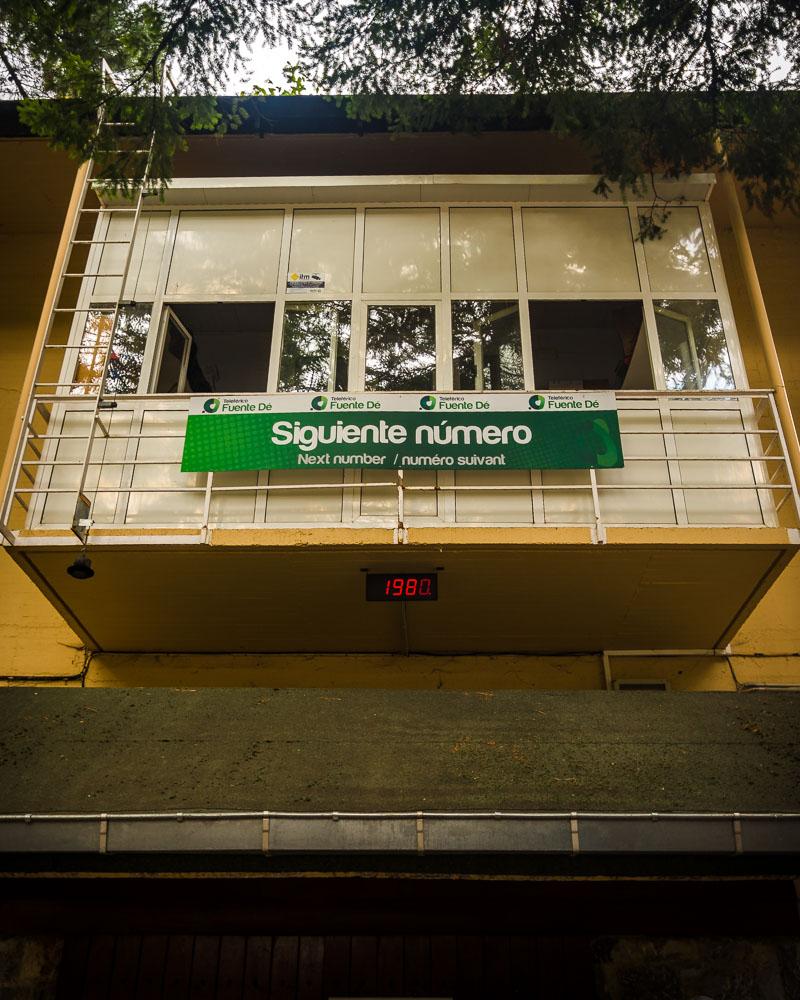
{"points": [[35, 642]]}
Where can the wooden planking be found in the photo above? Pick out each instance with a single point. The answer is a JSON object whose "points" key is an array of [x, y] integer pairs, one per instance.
{"points": [[205, 962], [100, 967], [283, 981], [313, 967], [152, 962], [127, 958], [230, 975], [72, 974], [257, 967], [178, 967], [390, 963], [310, 967], [336, 966]]}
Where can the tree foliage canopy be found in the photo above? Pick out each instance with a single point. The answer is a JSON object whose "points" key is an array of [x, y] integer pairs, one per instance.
{"points": [[50, 57], [646, 85]]}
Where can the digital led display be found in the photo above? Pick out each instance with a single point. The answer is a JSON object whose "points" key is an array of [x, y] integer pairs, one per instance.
{"points": [[402, 587]]}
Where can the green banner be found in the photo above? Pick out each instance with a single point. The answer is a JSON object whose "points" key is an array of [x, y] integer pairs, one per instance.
{"points": [[382, 431]]}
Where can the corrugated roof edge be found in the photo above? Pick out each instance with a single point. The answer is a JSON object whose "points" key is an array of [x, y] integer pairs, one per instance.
{"points": [[304, 114]]}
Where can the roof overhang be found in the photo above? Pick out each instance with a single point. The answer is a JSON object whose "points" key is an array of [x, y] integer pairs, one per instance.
{"points": [[418, 188]]}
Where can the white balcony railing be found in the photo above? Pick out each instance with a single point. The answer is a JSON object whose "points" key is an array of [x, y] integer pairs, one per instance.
{"points": [[691, 459]]}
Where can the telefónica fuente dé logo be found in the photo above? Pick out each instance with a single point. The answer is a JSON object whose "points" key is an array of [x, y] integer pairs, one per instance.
{"points": [[211, 405], [319, 402], [537, 402], [427, 403]]}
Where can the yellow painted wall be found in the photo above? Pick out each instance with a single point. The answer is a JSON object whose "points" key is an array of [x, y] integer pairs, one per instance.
{"points": [[774, 627], [34, 191], [34, 640]]}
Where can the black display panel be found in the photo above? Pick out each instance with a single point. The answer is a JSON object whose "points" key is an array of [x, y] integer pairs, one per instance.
{"points": [[402, 587]]}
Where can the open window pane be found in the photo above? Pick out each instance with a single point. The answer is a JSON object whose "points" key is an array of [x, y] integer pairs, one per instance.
{"points": [[482, 250], [226, 253], [322, 242], [589, 345], [401, 348], [125, 359], [401, 250], [693, 345], [579, 250], [316, 347], [487, 351], [228, 348], [678, 260]]}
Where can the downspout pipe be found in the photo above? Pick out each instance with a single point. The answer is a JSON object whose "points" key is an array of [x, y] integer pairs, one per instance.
{"points": [[763, 327]]}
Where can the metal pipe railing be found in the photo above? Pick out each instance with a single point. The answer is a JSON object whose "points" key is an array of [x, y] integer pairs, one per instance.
{"points": [[37, 479]]}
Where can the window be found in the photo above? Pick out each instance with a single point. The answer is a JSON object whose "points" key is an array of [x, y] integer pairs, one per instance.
{"points": [[226, 253], [579, 250], [125, 360], [589, 345], [487, 353], [401, 250], [316, 347], [213, 347], [693, 346], [401, 348], [677, 261], [473, 297], [482, 257]]}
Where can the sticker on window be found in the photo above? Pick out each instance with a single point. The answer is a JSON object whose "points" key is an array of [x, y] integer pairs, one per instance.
{"points": [[305, 279]]}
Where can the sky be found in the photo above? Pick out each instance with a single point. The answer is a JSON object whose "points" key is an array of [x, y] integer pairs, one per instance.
{"points": [[263, 64]]}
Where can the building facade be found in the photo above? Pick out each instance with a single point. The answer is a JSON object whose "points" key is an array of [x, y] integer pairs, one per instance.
{"points": [[574, 764]]}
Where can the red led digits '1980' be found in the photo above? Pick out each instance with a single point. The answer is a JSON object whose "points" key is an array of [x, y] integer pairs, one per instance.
{"points": [[402, 587]]}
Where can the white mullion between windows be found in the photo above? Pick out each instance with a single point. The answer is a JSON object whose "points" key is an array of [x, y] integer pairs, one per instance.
{"points": [[723, 297], [648, 311], [153, 347], [522, 297], [280, 303], [358, 318], [444, 327]]}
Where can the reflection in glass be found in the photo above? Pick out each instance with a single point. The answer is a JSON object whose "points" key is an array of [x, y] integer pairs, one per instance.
{"points": [[677, 260], [401, 348], [316, 347], [401, 250], [482, 257], [579, 250], [693, 345], [589, 345], [322, 241], [125, 359], [226, 253], [487, 352]]}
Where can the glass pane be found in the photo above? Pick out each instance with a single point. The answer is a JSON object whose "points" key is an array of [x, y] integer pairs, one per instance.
{"points": [[316, 347], [589, 345], [401, 348], [169, 374], [579, 250], [678, 260], [401, 250], [125, 359], [482, 250], [226, 253], [693, 345], [487, 350], [145, 263], [322, 242]]}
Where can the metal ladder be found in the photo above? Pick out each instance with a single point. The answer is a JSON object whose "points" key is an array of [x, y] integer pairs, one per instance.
{"points": [[67, 303]]}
